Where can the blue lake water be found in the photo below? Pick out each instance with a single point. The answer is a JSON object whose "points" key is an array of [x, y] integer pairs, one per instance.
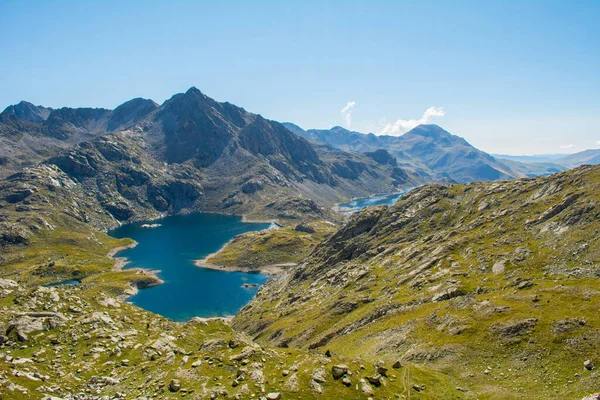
{"points": [[172, 248], [360, 203]]}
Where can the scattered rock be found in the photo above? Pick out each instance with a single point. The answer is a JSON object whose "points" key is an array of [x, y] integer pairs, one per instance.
{"points": [[174, 385], [274, 396], [318, 375], [316, 387], [499, 267], [257, 376], [365, 387], [213, 344], [374, 380], [246, 352]]}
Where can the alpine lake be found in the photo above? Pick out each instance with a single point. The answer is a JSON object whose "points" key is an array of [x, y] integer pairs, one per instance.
{"points": [[170, 246]]}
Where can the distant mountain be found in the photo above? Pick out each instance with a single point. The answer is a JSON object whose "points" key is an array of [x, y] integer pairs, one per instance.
{"points": [[541, 158], [28, 112], [591, 157], [551, 162], [427, 150]]}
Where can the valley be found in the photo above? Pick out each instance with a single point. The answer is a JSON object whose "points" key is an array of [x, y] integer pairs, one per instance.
{"points": [[472, 280]]}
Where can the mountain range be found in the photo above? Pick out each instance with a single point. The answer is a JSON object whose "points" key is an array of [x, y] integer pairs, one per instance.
{"points": [[589, 157], [191, 153], [430, 152]]}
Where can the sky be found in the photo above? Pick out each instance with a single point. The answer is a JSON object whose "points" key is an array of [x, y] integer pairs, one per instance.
{"points": [[512, 77]]}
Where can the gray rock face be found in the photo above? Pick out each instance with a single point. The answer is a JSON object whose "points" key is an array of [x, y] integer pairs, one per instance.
{"points": [[515, 328], [24, 324], [7, 287]]}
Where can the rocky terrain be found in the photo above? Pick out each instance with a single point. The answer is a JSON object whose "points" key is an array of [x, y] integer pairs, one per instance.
{"points": [[496, 285], [73, 342], [430, 152]]}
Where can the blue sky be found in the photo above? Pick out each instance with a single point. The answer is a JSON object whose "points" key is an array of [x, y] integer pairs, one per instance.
{"points": [[517, 77]]}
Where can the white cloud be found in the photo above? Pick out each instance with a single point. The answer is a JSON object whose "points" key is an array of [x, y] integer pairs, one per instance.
{"points": [[404, 125], [347, 112], [597, 142], [567, 146]]}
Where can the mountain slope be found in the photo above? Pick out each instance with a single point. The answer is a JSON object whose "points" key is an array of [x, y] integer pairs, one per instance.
{"points": [[427, 150], [495, 284]]}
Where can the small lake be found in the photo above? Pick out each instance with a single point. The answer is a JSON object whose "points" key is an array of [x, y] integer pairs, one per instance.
{"points": [[172, 247], [377, 200]]}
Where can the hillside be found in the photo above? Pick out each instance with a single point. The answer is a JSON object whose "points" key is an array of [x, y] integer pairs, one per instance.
{"points": [[426, 150], [494, 284]]}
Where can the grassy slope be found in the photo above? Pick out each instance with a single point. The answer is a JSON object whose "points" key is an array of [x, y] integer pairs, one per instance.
{"points": [[98, 349], [370, 295], [275, 246]]}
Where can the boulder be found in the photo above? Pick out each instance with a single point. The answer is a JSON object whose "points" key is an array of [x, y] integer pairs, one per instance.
{"points": [[318, 375], [588, 364], [246, 352], [174, 385], [257, 376], [304, 228], [374, 380], [316, 387], [339, 370], [365, 387], [213, 344], [499, 267]]}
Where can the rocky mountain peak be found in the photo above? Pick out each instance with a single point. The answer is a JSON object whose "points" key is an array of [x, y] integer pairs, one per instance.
{"points": [[130, 112], [429, 130], [28, 112]]}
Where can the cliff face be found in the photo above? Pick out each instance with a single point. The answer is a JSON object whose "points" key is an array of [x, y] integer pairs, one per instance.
{"points": [[500, 279]]}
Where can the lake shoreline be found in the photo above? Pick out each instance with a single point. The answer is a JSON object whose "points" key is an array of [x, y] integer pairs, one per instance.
{"points": [[148, 277]]}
